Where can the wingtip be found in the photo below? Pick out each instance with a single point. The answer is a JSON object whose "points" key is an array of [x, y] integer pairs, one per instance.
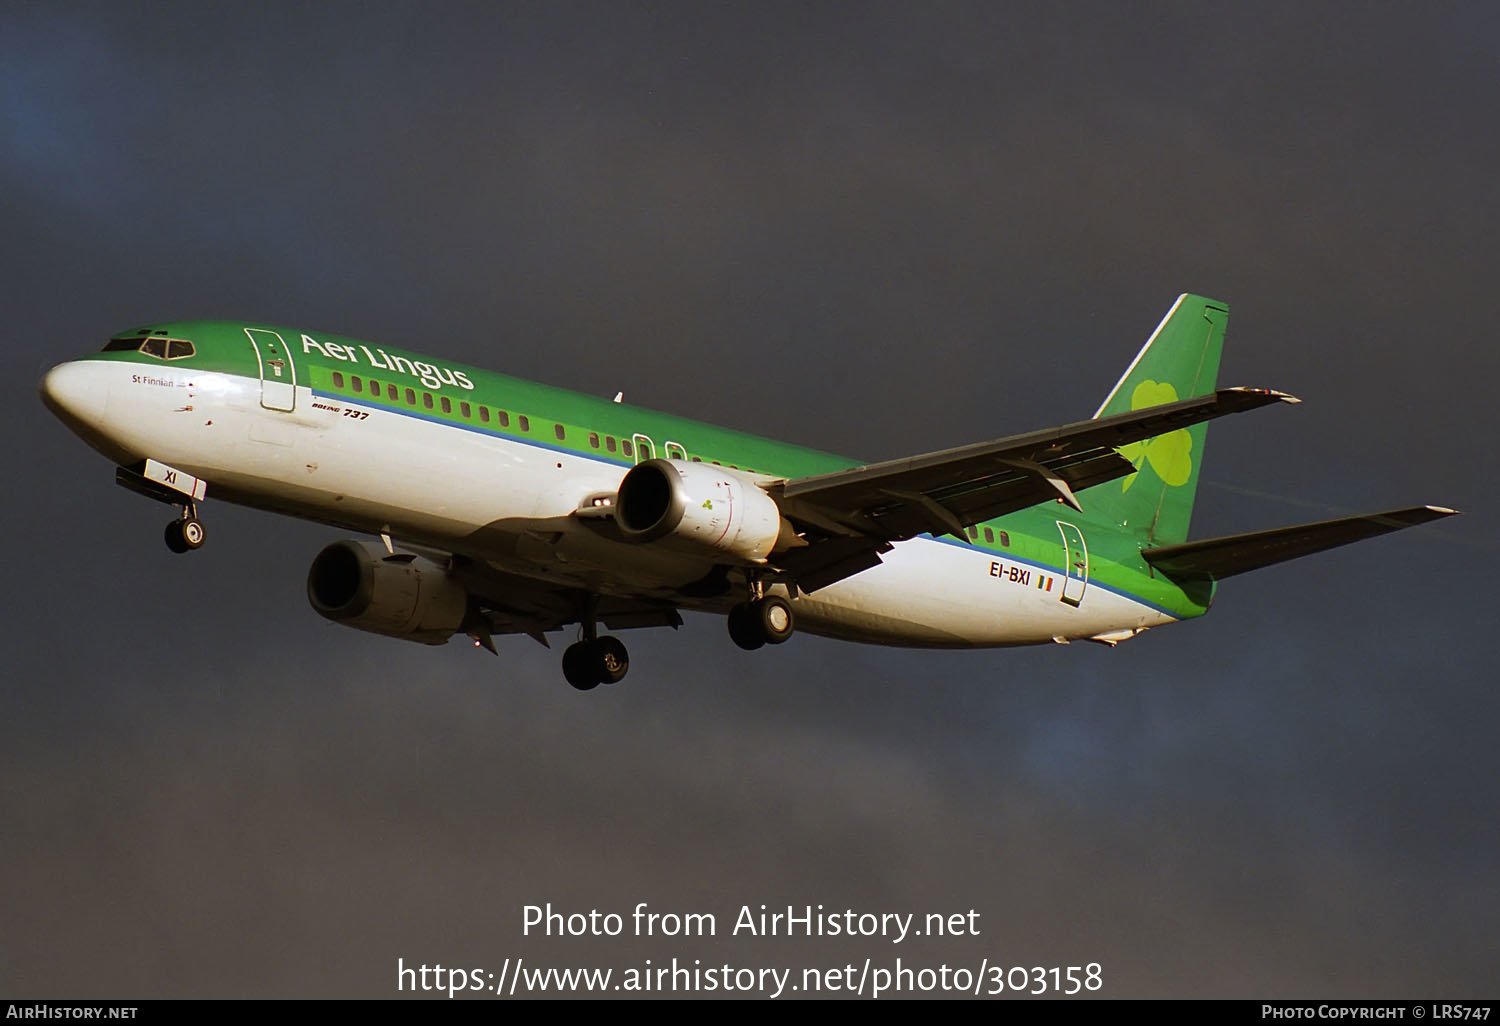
{"points": [[1271, 394], [1445, 511]]}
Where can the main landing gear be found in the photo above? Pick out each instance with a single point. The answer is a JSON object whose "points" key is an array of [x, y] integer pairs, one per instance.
{"points": [[761, 621], [593, 660], [186, 532], [587, 664]]}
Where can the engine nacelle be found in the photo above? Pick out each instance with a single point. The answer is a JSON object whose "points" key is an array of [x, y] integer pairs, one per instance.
{"points": [[700, 506], [401, 596]]}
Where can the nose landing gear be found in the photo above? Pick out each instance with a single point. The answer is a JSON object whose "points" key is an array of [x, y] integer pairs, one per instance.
{"points": [[157, 480], [184, 534]]}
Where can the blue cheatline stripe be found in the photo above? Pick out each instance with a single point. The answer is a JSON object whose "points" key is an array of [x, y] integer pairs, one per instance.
{"points": [[602, 458], [501, 435]]}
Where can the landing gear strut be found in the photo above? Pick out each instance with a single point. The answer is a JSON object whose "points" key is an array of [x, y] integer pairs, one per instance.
{"points": [[186, 532], [761, 621], [594, 660]]}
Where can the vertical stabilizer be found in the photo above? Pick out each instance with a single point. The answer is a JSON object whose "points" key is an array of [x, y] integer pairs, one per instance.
{"points": [[1179, 361]]}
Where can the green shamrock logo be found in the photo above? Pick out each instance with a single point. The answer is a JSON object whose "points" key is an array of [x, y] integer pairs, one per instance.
{"points": [[1170, 454]]}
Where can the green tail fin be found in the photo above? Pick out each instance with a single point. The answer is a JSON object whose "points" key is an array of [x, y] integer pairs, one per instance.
{"points": [[1179, 361]]}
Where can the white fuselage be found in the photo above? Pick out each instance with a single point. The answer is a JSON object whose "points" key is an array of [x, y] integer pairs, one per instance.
{"points": [[511, 502]]}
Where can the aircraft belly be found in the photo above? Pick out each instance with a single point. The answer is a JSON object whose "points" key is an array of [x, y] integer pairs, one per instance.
{"points": [[930, 593]]}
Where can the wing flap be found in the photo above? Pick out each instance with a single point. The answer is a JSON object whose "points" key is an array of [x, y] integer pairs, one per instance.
{"points": [[1217, 558], [830, 561]]}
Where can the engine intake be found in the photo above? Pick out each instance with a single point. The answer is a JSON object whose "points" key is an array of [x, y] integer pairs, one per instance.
{"points": [[401, 596]]}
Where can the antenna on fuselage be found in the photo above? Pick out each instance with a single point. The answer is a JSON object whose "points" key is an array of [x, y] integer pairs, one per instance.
{"points": [[619, 397]]}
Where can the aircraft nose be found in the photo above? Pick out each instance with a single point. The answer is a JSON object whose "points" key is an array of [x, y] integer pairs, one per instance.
{"points": [[76, 392]]}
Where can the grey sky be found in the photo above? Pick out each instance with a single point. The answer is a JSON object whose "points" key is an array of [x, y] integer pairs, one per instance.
{"points": [[871, 229]]}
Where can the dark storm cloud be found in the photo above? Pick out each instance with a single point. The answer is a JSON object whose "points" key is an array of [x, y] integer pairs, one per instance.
{"points": [[869, 229]]}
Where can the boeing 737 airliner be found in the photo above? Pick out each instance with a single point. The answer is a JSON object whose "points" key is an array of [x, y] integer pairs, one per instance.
{"points": [[503, 506]]}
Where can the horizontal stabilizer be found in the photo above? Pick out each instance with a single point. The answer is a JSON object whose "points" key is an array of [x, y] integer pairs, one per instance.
{"points": [[1217, 558]]}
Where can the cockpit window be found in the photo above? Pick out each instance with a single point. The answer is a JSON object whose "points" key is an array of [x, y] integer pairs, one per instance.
{"points": [[154, 345]]}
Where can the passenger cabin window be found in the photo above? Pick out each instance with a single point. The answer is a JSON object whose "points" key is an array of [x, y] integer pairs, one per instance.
{"points": [[558, 430], [503, 417], [464, 411], [411, 397], [626, 447], [375, 388], [1005, 539], [447, 405], [484, 414], [593, 439], [525, 423], [973, 533], [338, 380], [609, 442], [390, 390], [359, 385], [989, 536]]}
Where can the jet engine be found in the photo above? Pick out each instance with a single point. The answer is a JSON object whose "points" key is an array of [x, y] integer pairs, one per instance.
{"points": [[401, 595], [703, 507]]}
